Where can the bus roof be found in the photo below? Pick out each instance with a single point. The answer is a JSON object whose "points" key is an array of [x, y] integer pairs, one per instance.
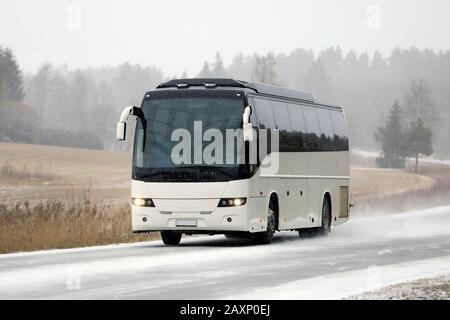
{"points": [[261, 88]]}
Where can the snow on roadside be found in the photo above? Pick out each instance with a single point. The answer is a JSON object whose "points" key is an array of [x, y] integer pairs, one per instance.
{"points": [[434, 288], [345, 284], [74, 250]]}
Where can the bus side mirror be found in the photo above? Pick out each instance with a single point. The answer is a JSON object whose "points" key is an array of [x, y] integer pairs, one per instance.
{"points": [[247, 127], [121, 131]]}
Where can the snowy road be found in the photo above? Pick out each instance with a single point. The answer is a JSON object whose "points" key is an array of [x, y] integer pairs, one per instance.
{"points": [[362, 254]]}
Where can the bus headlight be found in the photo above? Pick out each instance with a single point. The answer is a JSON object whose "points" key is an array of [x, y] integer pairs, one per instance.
{"points": [[142, 202], [232, 202]]}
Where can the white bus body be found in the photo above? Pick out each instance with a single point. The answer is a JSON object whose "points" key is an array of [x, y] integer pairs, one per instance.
{"points": [[310, 180]]}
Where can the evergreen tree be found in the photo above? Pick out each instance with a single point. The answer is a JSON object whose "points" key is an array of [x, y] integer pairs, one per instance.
{"points": [[218, 69], [78, 101], [11, 78], [37, 95], [58, 96], [392, 139], [418, 141], [317, 81], [264, 69], [419, 103], [378, 63], [205, 72], [240, 68]]}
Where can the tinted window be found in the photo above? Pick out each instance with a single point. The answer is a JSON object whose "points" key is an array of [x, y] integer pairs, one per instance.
{"points": [[283, 124], [297, 118], [298, 128], [312, 137], [281, 114], [264, 114], [339, 126], [266, 120], [302, 127], [340, 130], [326, 130], [312, 122]]}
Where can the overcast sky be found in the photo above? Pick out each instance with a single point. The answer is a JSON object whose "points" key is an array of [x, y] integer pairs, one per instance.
{"points": [[178, 35]]}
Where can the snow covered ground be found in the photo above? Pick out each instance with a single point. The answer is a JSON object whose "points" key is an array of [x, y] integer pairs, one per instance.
{"points": [[376, 154], [429, 288], [345, 284], [362, 255]]}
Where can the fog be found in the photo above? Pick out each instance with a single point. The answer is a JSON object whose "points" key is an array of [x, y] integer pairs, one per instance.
{"points": [[80, 62], [177, 36]]}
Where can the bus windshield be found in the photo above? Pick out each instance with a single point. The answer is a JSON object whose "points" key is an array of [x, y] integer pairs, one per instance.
{"points": [[193, 112]]}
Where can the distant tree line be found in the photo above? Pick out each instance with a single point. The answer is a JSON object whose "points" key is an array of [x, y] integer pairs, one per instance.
{"points": [[41, 116], [365, 85], [91, 99]]}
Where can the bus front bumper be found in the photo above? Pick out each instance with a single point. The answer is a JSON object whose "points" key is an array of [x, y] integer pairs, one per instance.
{"points": [[219, 220]]}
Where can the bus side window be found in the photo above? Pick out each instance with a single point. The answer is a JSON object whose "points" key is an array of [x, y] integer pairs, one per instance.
{"points": [[283, 124], [298, 129], [264, 113], [340, 130], [281, 114], [326, 130], [312, 138], [265, 117]]}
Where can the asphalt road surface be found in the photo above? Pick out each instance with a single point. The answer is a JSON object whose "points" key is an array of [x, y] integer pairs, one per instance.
{"points": [[363, 254]]}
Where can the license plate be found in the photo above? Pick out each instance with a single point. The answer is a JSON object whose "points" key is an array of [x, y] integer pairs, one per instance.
{"points": [[186, 222]]}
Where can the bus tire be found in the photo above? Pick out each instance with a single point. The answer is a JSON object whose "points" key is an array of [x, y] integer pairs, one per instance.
{"points": [[171, 238], [325, 228], [266, 237]]}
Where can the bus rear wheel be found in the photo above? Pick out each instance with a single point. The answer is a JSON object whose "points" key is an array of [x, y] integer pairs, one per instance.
{"points": [[325, 228], [171, 238]]}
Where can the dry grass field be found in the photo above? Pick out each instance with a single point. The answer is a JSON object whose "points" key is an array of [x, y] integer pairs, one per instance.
{"points": [[55, 224], [35, 173], [369, 183], [53, 197]]}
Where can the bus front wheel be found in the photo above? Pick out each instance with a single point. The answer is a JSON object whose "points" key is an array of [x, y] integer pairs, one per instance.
{"points": [[266, 237], [171, 238]]}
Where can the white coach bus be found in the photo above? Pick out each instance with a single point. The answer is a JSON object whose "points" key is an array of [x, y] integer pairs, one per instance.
{"points": [[307, 191]]}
